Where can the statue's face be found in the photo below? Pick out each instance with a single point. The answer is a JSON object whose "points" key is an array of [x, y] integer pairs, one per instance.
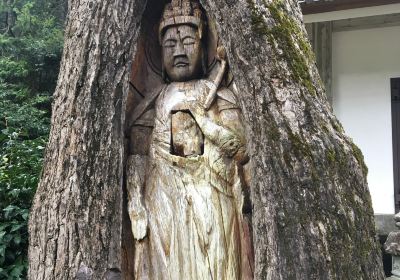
{"points": [[182, 52]]}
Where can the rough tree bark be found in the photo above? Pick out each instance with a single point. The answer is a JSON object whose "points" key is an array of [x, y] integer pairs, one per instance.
{"points": [[76, 220], [312, 213]]}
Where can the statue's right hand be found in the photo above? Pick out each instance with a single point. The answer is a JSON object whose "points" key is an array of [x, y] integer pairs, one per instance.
{"points": [[136, 172], [139, 220]]}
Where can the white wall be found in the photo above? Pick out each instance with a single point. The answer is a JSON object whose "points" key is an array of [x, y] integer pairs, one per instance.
{"points": [[363, 63]]}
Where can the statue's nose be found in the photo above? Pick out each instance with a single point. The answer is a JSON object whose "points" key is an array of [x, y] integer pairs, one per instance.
{"points": [[179, 49]]}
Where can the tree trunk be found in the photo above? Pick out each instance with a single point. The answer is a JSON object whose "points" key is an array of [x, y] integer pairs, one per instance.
{"points": [[76, 218], [9, 17], [312, 213]]}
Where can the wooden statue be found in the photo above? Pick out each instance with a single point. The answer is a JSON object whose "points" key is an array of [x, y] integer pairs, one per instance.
{"points": [[185, 173]]}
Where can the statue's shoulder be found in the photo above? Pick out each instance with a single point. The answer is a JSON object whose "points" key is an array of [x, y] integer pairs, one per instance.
{"points": [[157, 91], [226, 99], [144, 113]]}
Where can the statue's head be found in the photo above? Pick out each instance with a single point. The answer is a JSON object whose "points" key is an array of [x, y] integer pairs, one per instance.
{"points": [[181, 33]]}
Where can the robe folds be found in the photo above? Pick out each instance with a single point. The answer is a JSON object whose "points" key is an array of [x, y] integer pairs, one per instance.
{"points": [[193, 188]]}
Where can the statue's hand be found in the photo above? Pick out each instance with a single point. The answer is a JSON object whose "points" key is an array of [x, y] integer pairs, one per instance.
{"points": [[196, 109], [136, 173], [138, 217], [223, 137]]}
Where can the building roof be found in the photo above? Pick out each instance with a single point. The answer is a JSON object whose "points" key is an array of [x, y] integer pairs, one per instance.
{"points": [[312, 1], [322, 6]]}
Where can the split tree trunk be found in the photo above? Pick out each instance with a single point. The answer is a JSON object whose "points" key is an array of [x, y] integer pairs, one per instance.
{"points": [[76, 218], [312, 214]]}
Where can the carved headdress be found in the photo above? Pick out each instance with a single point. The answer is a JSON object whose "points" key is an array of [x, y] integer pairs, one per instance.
{"points": [[182, 12]]}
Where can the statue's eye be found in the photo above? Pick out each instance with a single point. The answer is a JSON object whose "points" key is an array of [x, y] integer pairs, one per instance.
{"points": [[188, 41], [169, 43]]}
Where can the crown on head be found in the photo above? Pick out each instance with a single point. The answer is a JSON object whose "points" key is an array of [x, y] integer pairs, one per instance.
{"points": [[180, 12]]}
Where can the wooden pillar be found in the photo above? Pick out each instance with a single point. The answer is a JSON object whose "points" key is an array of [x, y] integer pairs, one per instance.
{"points": [[320, 34]]}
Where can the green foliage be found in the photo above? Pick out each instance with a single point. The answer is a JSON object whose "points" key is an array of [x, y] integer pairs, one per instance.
{"points": [[34, 48], [12, 70], [30, 51], [23, 133]]}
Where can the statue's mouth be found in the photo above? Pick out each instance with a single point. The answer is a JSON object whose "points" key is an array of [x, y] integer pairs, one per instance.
{"points": [[181, 61], [181, 64]]}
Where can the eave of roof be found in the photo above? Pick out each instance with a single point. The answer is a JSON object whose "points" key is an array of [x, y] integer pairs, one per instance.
{"points": [[323, 6]]}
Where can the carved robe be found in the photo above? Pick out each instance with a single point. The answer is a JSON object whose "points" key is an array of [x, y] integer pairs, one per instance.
{"points": [[192, 188]]}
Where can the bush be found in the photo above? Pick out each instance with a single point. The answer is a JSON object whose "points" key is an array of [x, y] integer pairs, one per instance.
{"points": [[23, 136], [30, 52]]}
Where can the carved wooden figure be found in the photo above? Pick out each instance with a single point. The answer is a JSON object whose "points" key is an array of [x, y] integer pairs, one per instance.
{"points": [[185, 174]]}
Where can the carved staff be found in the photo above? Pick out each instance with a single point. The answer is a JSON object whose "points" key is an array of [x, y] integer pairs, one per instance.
{"points": [[213, 92]]}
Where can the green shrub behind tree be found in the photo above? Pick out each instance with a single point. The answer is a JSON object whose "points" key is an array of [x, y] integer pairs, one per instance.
{"points": [[31, 41], [23, 137]]}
